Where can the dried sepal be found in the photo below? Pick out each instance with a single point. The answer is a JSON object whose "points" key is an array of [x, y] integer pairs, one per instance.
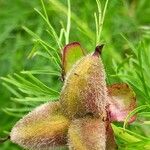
{"points": [[87, 134], [71, 54], [121, 101], [84, 90], [42, 128]]}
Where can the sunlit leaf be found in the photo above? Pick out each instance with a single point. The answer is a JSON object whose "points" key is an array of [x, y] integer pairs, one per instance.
{"points": [[71, 54]]}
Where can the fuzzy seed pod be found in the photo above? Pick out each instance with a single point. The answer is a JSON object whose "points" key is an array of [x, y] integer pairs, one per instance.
{"points": [[87, 134], [41, 129], [84, 90], [85, 110]]}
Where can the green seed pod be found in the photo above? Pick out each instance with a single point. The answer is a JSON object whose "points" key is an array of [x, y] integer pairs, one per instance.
{"points": [[43, 128], [84, 90], [87, 134]]}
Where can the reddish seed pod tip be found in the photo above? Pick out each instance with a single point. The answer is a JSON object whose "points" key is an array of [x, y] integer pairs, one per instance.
{"points": [[98, 50]]}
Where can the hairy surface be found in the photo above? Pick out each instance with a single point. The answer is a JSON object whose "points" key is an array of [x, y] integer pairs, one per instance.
{"points": [[43, 128], [84, 90], [87, 134], [84, 112]]}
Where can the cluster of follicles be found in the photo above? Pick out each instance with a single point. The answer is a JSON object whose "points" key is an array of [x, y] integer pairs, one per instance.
{"points": [[81, 118]]}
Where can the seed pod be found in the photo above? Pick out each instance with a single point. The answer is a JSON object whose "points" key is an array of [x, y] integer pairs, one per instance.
{"points": [[84, 90], [87, 134], [43, 128]]}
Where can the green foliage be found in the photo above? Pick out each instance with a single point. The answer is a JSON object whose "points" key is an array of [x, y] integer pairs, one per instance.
{"points": [[71, 54], [125, 31]]}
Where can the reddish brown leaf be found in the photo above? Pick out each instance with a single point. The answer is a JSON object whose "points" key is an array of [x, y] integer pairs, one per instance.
{"points": [[110, 139], [121, 101]]}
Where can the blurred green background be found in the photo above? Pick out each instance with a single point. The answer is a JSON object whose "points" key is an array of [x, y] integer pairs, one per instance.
{"points": [[130, 18]]}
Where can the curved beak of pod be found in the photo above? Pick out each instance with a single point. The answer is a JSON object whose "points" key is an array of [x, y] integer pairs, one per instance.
{"points": [[98, 50]]}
